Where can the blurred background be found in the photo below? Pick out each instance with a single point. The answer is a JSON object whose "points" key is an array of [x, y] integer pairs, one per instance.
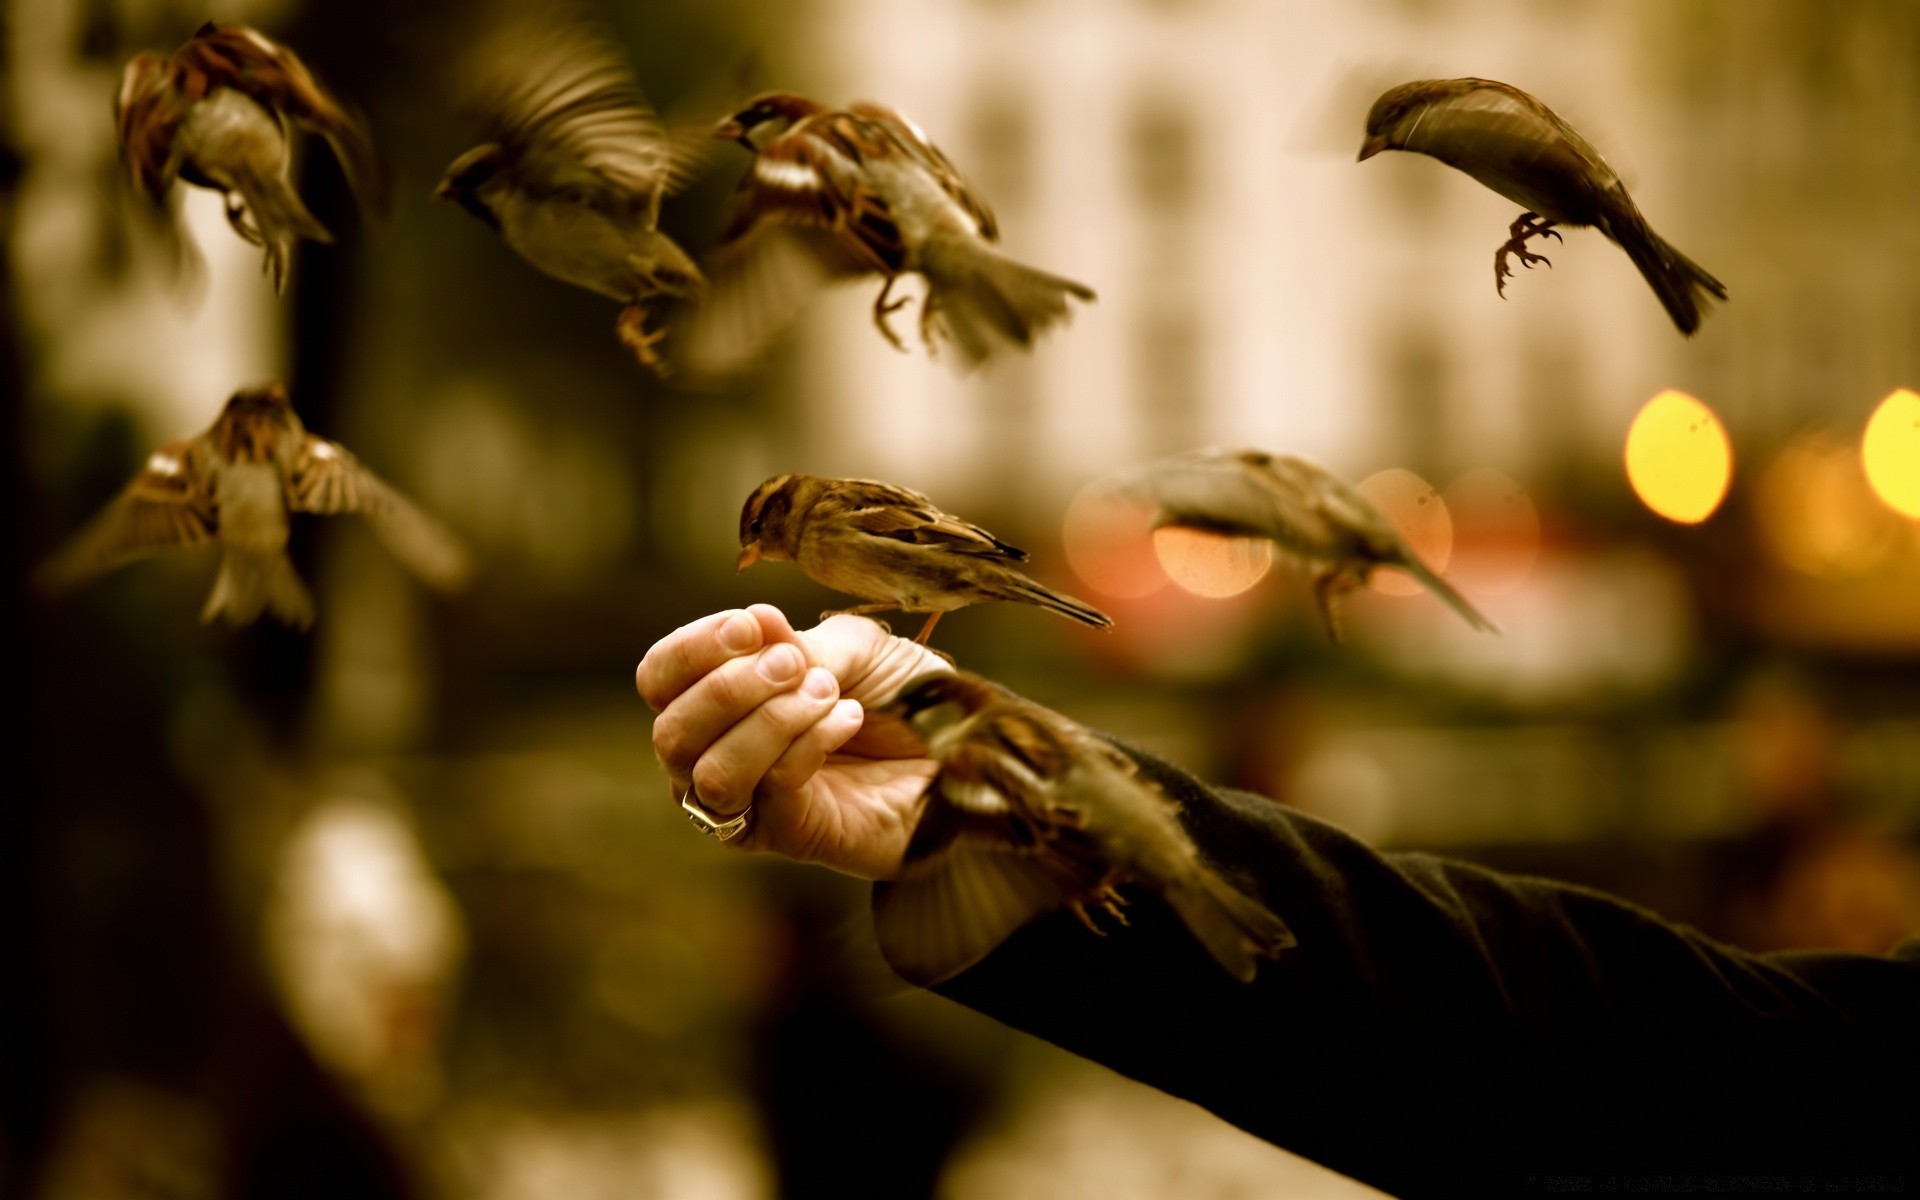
{"points": [[401, 907]]}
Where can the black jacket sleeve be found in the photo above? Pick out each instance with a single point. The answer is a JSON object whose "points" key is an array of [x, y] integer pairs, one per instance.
{"points": [[1442, 1029]]}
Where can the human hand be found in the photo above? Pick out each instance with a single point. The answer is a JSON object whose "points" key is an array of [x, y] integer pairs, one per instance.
{"points": [[752, 711]]}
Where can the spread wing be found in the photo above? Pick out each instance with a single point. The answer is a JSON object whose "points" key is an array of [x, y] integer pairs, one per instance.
{"points": [[982, 861], [899, 514], [169, 503], [916, 143], [802, 219], [562, 100], [234, 56], [326, 478]]}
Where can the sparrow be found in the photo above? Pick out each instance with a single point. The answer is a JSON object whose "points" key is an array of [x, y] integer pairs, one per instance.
{"points": [[1030, 812], [843, 193], [216, 114], [890, 546], [1303, 508], [236, 484], [1517, 146], [573, 169]]}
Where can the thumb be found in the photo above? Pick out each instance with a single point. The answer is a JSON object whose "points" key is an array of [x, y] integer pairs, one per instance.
{"points": [[870, 663]]}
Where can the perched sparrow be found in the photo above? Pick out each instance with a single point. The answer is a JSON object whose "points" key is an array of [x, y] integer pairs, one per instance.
{"points": [[843, 193], [236, 484], [1517, 146], [573, 170], [890, 546], [1029, 813], [216, 115], [1302, 508]]}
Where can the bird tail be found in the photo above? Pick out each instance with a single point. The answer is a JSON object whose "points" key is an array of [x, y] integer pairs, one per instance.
{"points": [[280, 219], [1682, 285], [250, 584], [1235, 928], [979, 294], [1027, 591], [1441, 588]]}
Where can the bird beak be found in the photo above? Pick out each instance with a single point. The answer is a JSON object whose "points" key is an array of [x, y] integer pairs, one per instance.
{"points": [[731, 130], [444, 191], [1371, 147], [749, 554]]}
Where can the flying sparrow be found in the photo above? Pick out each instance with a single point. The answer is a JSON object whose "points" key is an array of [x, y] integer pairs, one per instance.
{"points": [[1518, 147], [216, 115], [236, 484], [890, 546], [840, 193], [1028, 813], [573, 170], [1302, 507]]}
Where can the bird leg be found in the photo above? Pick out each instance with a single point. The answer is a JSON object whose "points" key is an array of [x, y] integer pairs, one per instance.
{"points": [[1327, 590], [882, 309], [1526, 225], [926, 631], [632, 330]]}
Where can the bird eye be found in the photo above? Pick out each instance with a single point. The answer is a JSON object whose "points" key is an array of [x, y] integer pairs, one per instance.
{"points": [[754, 528]]}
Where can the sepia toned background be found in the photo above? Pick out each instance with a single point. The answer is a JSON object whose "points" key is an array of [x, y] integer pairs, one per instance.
{"points": [[401, 906]]}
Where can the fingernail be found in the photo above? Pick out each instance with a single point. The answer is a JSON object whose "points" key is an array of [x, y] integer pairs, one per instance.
{"points": [[849, 710], [740, 634], [820, 684], [780, 663]]}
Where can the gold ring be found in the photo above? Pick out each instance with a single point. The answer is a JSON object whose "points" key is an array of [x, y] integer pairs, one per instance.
{"points": [[711, 824]]}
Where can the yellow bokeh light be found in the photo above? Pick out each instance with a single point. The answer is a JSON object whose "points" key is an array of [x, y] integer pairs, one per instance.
{"points": [[1411, 503], [1210, 565], [1891, 452], [1106, 538], [1678, 458]]}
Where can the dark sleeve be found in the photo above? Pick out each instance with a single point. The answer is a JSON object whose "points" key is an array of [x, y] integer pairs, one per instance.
{"points": [[1445, 1029]]}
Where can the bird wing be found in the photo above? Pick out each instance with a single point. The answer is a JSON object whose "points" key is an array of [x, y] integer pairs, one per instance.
{"points": [[979, 865], [169, 503], [1460, 126], [247, 61], [922, 150], [1237, 493], [811, 176], [326, 478], [147, 114], [566, 106], [899, 514]]}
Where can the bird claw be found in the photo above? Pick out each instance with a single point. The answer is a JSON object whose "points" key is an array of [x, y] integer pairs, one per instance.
{"points": [[1527, 225], [884, 308], [1107, 900], [1327, 591], [633, 333]]}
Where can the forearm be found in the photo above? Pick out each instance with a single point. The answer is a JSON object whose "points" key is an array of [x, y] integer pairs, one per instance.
{"points": [[1439, 1011]]}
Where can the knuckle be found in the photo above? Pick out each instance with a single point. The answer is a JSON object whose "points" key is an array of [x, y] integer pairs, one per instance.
{"points": [[711, 780], [670, 742]]}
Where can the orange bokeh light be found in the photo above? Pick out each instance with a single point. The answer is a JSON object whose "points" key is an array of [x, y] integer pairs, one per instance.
{"points": [[1210, 565], [1817, 512], [1413, 504], [1679, 460], [1105, 533]]}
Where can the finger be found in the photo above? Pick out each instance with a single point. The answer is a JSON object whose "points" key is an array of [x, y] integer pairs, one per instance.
{"points": [[723, 697], [682, 658], [870, 663], [731, 768], [774, 626], [808, 752]]}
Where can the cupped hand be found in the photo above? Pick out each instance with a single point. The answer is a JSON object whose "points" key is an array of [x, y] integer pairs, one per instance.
{"points": [[753, 711]]}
